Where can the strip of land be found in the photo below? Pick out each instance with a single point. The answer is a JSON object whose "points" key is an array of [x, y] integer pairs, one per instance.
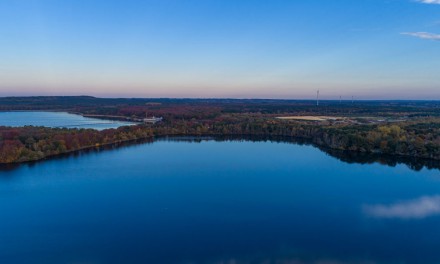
{"points": [[311, 118], [408, 129]]}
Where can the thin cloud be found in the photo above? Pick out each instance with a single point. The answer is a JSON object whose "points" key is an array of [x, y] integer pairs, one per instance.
{"points": [[435, 2], [413, 209], [423, 35]]}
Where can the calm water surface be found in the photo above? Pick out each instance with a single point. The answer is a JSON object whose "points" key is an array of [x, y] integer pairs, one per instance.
{"points": [[56, 119], [217, 202]]}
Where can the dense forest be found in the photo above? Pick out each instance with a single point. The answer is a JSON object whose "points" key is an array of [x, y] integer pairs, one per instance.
{"points": [[403, 128], [35, 143], [414, 139], [210, 108]]}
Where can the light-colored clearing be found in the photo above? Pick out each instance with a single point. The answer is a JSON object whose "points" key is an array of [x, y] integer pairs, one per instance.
{"points": [[310, 118]]}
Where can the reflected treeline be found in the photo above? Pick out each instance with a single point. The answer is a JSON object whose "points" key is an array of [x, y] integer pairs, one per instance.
{"points": [[416, 164], [350, 157], [79, 153]]}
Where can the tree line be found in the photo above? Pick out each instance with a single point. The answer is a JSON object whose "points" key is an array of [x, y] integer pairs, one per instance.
{"points": [[35, 143], [419, 138]]}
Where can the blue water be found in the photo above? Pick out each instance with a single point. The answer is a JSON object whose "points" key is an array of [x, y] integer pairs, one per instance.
{"points": [[217, 202], [56, 119]]}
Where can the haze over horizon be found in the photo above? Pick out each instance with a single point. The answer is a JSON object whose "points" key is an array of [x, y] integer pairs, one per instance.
{"points": [[375, 49]]}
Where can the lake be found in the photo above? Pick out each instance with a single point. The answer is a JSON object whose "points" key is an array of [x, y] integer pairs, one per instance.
{"points": [[217, 202], [56, 119]]}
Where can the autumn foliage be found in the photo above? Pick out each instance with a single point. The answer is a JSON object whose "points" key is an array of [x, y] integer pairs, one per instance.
{"points": [[20, 144]]}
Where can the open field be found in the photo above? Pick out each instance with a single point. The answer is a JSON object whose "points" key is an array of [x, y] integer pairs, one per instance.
{"points": [[311, 118]]}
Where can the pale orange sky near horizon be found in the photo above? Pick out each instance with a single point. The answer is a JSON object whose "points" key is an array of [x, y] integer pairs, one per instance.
{"points": [[221, 49]]}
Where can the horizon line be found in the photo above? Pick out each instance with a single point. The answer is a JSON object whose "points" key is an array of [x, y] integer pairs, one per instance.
{"points": [[219, 98]]}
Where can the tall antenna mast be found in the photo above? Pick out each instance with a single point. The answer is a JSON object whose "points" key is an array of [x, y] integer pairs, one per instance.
{"points": [[340, 99], [352, 100], [317, 98]]}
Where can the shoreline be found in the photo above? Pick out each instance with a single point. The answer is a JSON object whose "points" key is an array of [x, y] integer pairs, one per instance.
{"points": [[416, 163]]}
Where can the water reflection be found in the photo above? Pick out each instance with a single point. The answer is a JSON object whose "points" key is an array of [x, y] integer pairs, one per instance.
{"points": [[292, 260], [57, 119], [217, 202], [351, 157], [413, 209], [79, 153], [416, 164]]}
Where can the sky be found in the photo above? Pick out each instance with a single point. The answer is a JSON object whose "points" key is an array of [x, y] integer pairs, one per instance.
{"points": [[287, 49]]}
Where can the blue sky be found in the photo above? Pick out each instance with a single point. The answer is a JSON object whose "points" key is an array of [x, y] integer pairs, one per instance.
{"points": [[370, 49]]}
